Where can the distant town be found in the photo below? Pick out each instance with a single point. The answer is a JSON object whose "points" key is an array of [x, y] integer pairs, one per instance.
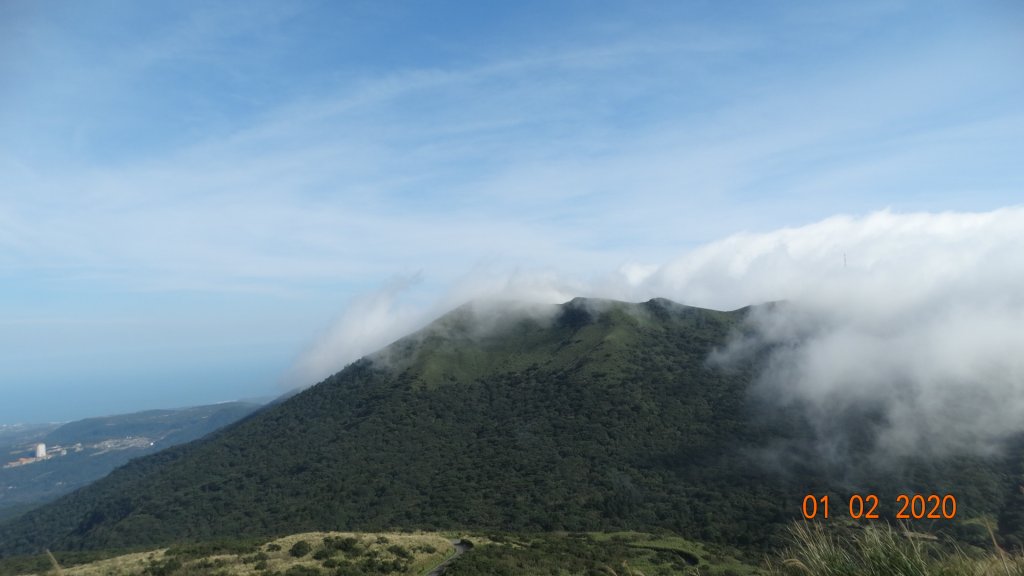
{"points": [[42, 452]]}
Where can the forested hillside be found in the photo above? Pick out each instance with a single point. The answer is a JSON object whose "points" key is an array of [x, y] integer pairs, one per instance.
{"points": [[592, 415]]}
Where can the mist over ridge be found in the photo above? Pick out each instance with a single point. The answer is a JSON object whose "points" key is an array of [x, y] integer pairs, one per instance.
{"points": [[913, 316]]}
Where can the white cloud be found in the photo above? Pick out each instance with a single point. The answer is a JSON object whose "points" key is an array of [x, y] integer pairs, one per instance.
{"points": [[369, 323], [545, 154], [919, 313]]}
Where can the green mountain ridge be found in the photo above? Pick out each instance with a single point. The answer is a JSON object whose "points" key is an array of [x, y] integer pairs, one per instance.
{"points": [[586, 416]]}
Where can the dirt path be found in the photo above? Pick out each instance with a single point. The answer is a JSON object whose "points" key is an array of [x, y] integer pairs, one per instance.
{"points": [[461, 546]]}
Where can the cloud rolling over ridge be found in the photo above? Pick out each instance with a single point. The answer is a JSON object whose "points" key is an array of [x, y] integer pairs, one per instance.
{"points": [[918, 315]]}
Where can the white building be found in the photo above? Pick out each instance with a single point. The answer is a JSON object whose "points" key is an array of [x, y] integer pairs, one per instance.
{"points": [[40, 450]]}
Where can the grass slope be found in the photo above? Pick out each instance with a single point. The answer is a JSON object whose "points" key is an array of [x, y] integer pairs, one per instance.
{"points": [[305, 554], [410, 554]]}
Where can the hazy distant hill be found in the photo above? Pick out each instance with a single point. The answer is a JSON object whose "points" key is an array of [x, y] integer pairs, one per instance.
{"points": [[13, 435], [86, 450], [591, 415]]}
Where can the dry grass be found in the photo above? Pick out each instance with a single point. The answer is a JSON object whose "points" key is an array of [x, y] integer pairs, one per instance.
{"points": [[127, 564], [883, 551], [425, 550]]}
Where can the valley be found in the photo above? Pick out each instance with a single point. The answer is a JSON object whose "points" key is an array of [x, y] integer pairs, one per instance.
{"points": [[47, 461]]}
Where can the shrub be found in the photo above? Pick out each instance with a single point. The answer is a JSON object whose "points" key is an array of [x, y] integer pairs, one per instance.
{"points": [[399, 551], [300, 549], [348, 545], [165, 568], [254, 558]]}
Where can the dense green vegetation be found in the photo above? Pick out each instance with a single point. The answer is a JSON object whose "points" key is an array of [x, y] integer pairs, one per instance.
{"points": [[593, 416]]}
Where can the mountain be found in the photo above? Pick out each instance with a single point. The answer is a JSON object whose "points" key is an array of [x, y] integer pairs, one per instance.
{"points": [[83, 451], [587, 416]]}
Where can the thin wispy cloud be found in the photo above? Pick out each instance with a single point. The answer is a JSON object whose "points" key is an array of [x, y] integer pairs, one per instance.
{"points": [[307, 154]]}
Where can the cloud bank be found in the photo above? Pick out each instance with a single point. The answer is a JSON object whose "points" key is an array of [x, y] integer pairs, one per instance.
{"points": [[916, 315]]}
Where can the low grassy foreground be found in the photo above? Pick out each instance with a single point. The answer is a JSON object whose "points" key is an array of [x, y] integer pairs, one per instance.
{"points": [[812, 550], [414, 554], [884, 550], [308, 554], [600, 554]]}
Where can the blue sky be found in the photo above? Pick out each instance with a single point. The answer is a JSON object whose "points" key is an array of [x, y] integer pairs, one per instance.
{"points": [[193, 194]]}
